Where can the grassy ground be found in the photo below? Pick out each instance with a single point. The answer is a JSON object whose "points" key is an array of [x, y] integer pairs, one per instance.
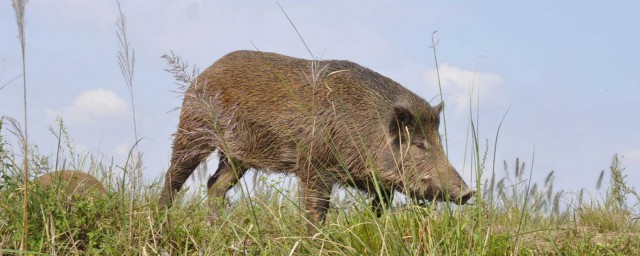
{"points": [[509, 216]]}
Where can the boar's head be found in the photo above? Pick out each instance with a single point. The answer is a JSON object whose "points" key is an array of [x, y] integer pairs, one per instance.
{"points": [[417, 158]]}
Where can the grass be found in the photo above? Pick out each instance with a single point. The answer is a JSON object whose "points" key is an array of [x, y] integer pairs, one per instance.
{"points": [[510, 218], [19, 9]]}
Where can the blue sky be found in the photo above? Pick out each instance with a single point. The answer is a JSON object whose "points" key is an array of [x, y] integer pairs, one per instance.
{"points": [[567, 70]]}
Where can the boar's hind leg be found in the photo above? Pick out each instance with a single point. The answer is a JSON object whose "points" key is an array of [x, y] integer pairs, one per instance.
{"points": [[224, 179], [381, 200], [316, 193]]}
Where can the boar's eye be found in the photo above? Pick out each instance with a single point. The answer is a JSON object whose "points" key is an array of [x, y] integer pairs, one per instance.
{"points": [[420, 145]]}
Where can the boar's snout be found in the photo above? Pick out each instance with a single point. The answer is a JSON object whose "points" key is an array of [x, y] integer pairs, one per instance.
{"points": [[456, 190], [446, 186], [464, 196]]}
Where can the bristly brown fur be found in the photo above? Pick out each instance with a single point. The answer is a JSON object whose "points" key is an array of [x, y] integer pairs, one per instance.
{"points": [[74, 183], [342, 124]]}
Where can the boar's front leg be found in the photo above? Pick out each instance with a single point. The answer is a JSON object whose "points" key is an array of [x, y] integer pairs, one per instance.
{"points": [[381, 199], [190, 147], [315, 190]]}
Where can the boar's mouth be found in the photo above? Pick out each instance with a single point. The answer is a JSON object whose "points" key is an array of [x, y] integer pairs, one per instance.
{"points": [[464, 197], [461, 199]]}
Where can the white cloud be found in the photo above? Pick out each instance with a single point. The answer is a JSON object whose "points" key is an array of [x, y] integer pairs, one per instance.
{"points": [[99, 107], [458, 84]]}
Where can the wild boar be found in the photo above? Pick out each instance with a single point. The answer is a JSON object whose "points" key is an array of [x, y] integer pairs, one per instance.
{"points": [[327, 122], [74, 183]]}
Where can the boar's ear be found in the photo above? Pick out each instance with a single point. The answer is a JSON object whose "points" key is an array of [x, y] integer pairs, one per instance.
{"points": [[401, 117], [438, 108]]}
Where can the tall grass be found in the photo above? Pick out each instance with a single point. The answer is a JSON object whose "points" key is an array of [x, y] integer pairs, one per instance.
{"points": [[19, 9], [434, 44], [126, 61]]}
